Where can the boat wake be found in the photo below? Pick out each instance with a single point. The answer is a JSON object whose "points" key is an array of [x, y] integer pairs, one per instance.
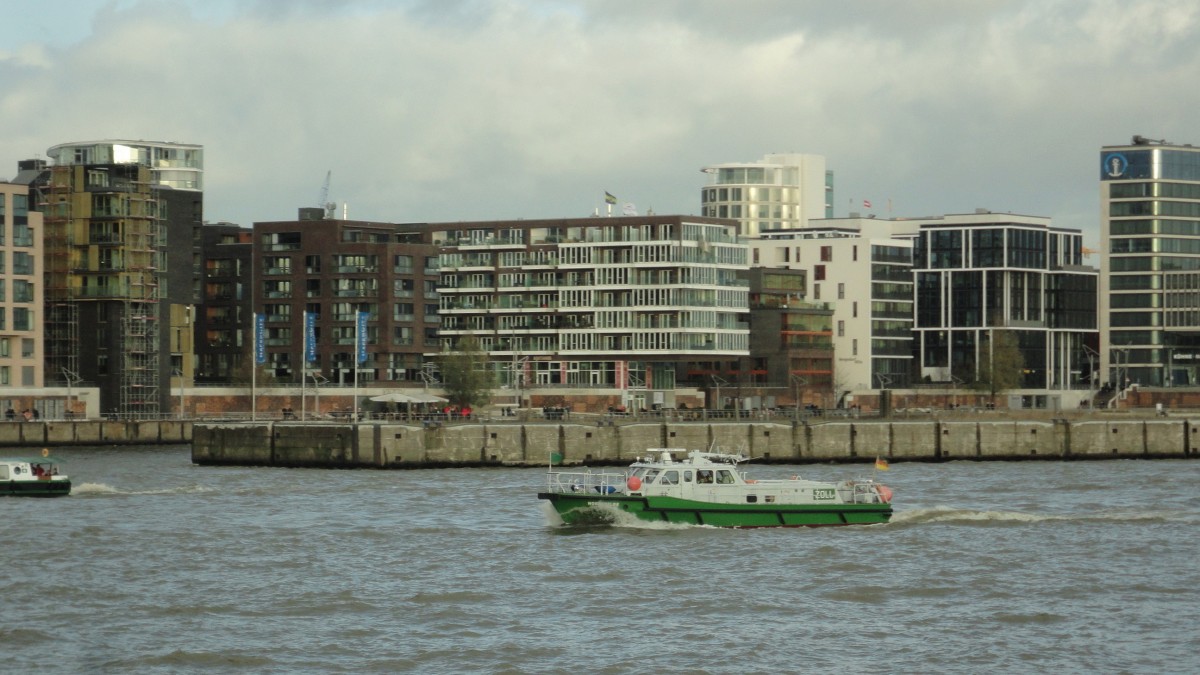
{"points": [[103, 489], [951, 515]]}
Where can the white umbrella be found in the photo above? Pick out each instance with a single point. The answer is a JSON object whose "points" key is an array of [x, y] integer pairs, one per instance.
{"points": [[394, 397], [427, 398]]}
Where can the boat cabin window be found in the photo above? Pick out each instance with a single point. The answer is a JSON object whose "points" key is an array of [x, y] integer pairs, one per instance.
{"points": [[651, 474], [687, 476], [704, 476], [3, 472], [670, 478], [725, 476]]}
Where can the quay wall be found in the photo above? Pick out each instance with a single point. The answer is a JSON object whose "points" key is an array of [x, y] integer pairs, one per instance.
{"points": [[60, 433], [410, 445]]}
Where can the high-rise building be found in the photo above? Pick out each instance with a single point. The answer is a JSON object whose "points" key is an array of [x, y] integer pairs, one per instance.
{"points": [[780, 191], [122, 223], [1150, 263]]}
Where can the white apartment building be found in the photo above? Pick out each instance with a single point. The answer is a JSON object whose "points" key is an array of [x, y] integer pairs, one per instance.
{"points": [[780, 191], [625, 302], [864, 271]]}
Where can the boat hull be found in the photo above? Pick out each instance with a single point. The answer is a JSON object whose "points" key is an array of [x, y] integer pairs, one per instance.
{"points": [[578, 509], [35, 488]]}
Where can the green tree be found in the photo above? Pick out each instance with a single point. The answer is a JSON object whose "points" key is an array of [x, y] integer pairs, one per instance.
{"points": [[465, 374], [1000, 363]]}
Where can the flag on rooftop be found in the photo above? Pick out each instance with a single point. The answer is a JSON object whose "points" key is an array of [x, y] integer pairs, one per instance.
{"points": [[609, 198], [866, 203]]}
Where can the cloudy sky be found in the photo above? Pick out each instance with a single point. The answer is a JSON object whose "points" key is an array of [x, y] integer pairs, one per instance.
{"points": [[445, 110]]}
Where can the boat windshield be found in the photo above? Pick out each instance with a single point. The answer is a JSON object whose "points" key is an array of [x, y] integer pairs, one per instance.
{"points": [[651, 474], [725, 476], [669, 478]]}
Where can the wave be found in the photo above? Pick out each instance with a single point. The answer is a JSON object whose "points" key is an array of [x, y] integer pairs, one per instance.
{"points": [[948, 514], [103, 489]]}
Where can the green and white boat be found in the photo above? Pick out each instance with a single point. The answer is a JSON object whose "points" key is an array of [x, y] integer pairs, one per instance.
{"points": [[706, 488], [33, 477]]}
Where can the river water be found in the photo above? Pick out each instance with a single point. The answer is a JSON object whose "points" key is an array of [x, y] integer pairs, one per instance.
{"points": [[154, 565]]}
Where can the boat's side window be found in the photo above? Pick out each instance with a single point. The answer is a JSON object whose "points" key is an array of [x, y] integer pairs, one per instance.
{"points": [[3, 472], [670, 478], [724, 476], [651, 474], [704, 476], [687, 476]]}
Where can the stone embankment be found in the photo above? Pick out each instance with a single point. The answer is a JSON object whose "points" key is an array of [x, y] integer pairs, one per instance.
{"points": [[412, 445], [52, 434]]}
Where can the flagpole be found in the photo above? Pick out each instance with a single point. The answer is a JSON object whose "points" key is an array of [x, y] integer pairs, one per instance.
{"points": [[303, 365], [254, 372], [357, 337]]}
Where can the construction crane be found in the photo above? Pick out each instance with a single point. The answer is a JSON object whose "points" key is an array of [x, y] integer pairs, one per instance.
{"points": [[323, 202]]}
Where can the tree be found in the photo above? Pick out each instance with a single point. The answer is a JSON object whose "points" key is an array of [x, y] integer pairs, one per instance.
{"points": [[465, 374], [1000, 363]]}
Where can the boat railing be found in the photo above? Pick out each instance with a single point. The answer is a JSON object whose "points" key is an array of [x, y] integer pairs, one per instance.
{"points": [[585, 481]]}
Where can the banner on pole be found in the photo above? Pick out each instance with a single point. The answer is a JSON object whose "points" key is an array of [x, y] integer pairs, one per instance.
{"points": [[260, 338], [310, 337], [361, 337]]}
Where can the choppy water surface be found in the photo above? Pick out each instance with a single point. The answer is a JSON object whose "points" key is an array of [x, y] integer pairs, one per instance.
{"points": [[154, 565]]}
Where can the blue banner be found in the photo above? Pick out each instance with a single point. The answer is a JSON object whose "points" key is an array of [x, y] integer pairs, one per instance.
{"points": [[361, 336], [310, 337], [260, 338]]}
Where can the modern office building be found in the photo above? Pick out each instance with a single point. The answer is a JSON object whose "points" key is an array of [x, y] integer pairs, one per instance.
{"points": [[980, 273], [780, 191], [1150, 267], [122, 221], [863, 269], [21, 290]]}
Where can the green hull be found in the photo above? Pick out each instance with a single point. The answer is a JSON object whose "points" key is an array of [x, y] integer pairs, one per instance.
{"points": [[580, 509], [58, 488]]}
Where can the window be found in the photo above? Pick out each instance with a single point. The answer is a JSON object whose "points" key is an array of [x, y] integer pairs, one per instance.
{"points": [[816, 291], [854, 310], [27, 348], [854, 347], [22, 263], [841, 291], [841, 328], [826, 254], [819, 273], [22, 318]]}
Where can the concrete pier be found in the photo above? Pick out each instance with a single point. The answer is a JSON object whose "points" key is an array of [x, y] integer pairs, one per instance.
{"points": [[412, 445]]}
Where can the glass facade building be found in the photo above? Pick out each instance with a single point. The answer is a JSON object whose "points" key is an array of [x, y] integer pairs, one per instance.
{"points": [[1150, 234], [979, 273]]}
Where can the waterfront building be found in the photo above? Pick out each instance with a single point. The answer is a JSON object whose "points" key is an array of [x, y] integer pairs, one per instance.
{"points": [[122, 221], [1150, 263], [631, 304], [985, 272], [862, 268], [780, 191], [791, 338], [328, 271], [638, 304], [21, 291], [223, 318]]}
